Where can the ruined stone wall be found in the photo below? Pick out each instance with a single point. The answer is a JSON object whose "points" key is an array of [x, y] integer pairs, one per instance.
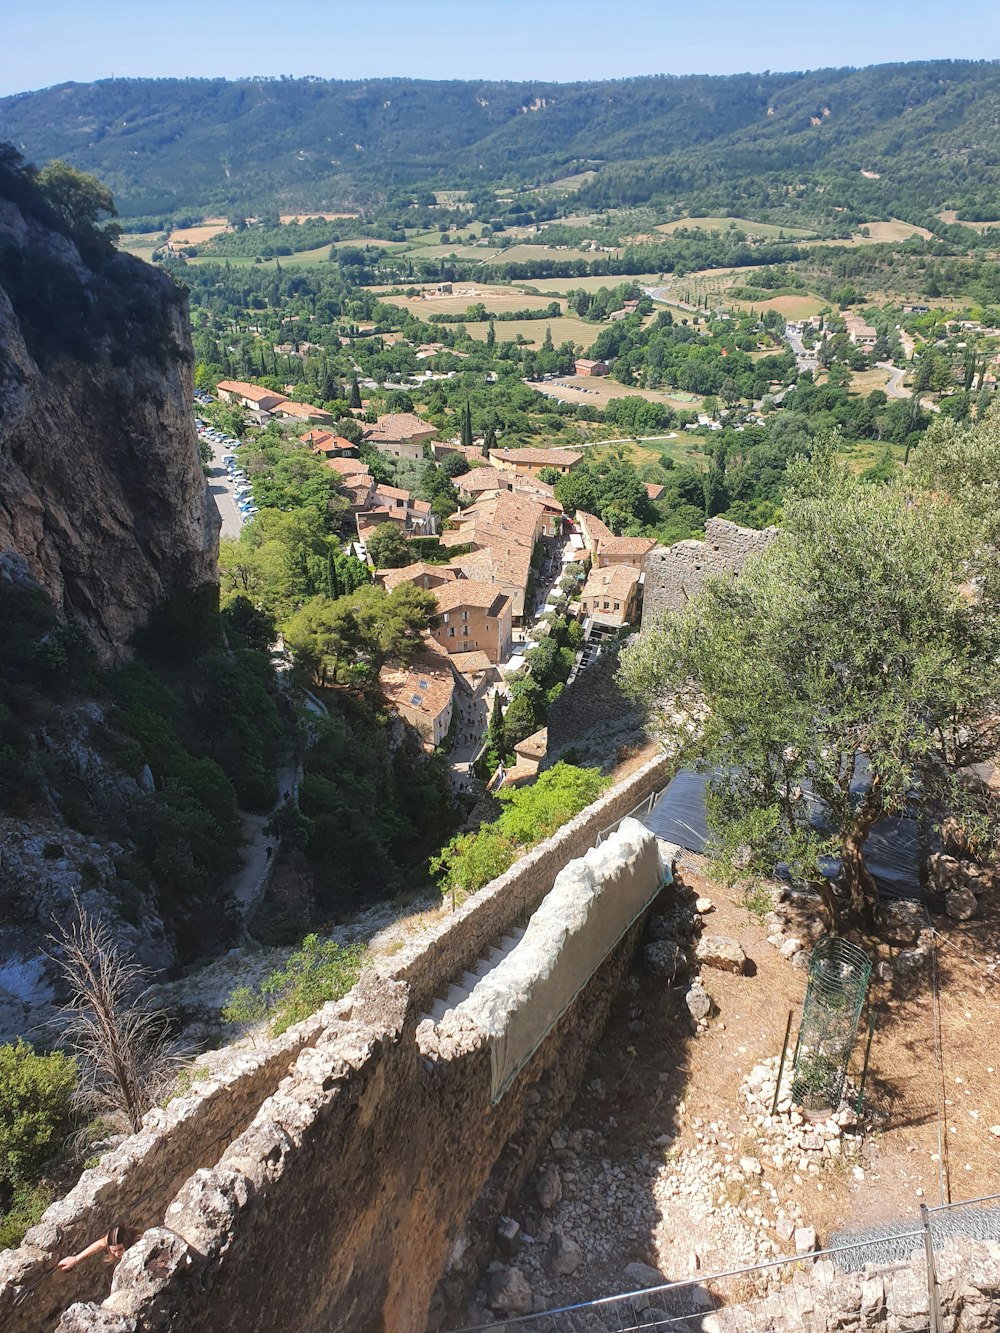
{"points": [[134, 1181], [675, 574], [338, 1208], [592, 709], [360, 1093]]}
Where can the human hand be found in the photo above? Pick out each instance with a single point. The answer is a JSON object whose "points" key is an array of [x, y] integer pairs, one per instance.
{"points": [[69, 1262]]}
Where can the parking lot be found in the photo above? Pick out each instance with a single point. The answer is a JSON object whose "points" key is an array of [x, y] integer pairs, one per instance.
{"points": [[225, 487]]}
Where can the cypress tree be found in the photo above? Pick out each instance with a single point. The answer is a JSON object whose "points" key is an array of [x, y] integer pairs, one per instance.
{"points": [[467, 436]]}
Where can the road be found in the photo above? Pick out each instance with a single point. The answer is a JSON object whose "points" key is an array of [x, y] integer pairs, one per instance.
{"points": [[222, 491], [894, 389]]}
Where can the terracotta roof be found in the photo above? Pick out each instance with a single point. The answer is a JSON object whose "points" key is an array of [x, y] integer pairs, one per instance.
{"points": [[264, 398], [537, 457], [483, 479], [348, 467], [613, 581], [654, 490], [393, 492], [535, 745], [304, 411], [392, 578], [471, 664], [470, 592], [399, 426], [425, 687], [420, 506], [627, 546], [592, 528]]}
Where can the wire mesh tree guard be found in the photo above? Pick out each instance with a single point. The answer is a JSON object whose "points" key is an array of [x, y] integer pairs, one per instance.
{"points": [[838, 982]]}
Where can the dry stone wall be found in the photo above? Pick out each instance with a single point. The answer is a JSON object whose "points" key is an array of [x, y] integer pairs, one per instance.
{"points": [[134, 1181], [675, 574], [365, 1172]]}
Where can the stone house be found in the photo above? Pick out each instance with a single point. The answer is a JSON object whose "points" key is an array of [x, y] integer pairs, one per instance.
{"points": [[473, 616]]}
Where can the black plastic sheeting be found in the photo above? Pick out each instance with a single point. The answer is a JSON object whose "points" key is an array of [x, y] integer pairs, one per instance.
{"points": [[892, 851]]}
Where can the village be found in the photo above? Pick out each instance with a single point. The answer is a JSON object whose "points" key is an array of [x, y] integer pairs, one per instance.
{"points": [[507, 561]]}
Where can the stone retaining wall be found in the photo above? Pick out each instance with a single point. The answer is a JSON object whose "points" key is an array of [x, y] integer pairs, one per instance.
{"points": [[358, 1092], [134, 1181]]}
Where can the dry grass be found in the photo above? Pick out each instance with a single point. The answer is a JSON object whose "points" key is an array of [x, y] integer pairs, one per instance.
{"points": [[567, 328], [560, 286], [493, 298], [199, 234], [598, 392], [302, 217], [792, 307], [865, 381]]}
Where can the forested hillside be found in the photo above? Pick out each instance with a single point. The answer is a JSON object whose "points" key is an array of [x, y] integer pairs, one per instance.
{"points": [[901, 139]]}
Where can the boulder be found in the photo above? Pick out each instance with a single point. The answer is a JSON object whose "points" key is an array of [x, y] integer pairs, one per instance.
{"points": [[902, 922], [508, 1292], [666, 959], [719, 952], [703, 906], [805, 1240], [699, 1002], [639, 1277], [564, 1256], [961, 904], [549, 1188]]}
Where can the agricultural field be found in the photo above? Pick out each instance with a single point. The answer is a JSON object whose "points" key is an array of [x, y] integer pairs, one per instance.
{"points": [[304, 217], [766, 230], [560, 286], [792, 307], [197, 235], [142, 244], [493, 298], [599, 391], [865, 382], [567, 328], [303, 259], [684, 448]]}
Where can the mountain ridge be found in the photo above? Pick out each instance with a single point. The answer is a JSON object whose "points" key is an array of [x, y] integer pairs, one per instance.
{"points": [[165, 144]]}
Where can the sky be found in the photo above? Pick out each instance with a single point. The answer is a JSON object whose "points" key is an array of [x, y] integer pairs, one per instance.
{"points": [[54, 41]]}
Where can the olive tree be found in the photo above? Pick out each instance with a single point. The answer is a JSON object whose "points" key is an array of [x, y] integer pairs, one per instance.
{"points": [[847, 668]]}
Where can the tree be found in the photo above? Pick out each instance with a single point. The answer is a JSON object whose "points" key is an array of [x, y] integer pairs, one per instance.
{"points": [[387, 548], [355, 398], [496, 727], [120, 1042], [81, 201], [842, 670], [467, 435]]}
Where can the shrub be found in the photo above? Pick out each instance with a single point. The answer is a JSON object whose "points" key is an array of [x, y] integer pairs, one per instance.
{"points": [[25, 1211], [36, 1095], [318, 972]]}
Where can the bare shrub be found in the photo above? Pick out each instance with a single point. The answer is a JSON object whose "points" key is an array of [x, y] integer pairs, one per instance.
{"points": [[120, 1041]]}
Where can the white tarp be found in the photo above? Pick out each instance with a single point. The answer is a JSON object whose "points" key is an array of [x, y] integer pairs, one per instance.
{"points": [[591, 905]]}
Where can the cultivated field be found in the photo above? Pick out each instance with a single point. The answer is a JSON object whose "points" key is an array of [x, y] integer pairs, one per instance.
{"points": [[792, 307], [560, 286], [768, 230], [141, 244], [493, 298], [865, 381], [198, 235], [599, 391], [567, 328], [303, 259], [303, 217]]}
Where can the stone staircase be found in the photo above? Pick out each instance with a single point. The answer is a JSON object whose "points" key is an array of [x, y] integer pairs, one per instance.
{"points": [[463, 988]]}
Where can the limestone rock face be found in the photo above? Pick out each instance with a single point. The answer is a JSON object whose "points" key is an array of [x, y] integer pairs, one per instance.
{"points": [[102, 496]]}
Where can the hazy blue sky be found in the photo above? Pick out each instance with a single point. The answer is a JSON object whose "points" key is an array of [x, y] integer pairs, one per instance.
{"points": [[52, 41]]}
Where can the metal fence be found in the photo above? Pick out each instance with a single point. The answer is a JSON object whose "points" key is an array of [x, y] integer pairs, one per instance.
{"points": [[780, 1291]]}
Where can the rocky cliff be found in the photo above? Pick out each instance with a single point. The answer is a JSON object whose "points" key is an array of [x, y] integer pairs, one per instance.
{"points": [[101, 491]]}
